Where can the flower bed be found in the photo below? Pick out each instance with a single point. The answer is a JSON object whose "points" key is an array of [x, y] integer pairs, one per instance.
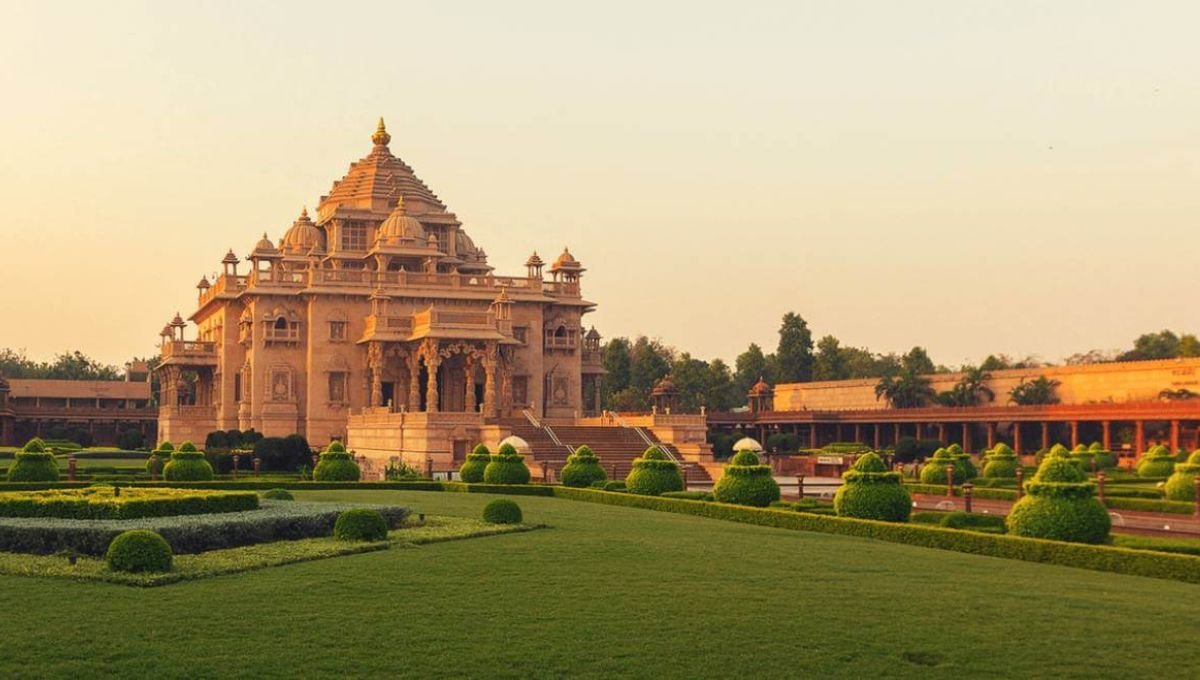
{"points": [[106, 502], [274, 521]]}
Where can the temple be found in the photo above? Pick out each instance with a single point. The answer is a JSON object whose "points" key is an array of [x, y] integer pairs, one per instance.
{"points": [[379, 321]]}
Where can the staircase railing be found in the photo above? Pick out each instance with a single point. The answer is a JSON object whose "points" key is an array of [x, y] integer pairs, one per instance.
{"points": [[533, 420], [650, 443]]}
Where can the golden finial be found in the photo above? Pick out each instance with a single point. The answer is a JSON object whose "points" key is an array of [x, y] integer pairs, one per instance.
{"points": [[399, 203], [381, 136], [304, 213]]}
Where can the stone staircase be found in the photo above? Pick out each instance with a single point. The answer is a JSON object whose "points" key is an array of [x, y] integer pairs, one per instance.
{"points": [[616, 446]]}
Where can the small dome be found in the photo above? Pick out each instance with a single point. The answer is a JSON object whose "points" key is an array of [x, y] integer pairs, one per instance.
{"points": [[303, 236], [593, 334], [566, 261], [761, 388], [230, 258], [399, 225], [747, 444], [534, 260], [664, 386], [517, 443], [264, 246], [203, 285], [178, 321]]}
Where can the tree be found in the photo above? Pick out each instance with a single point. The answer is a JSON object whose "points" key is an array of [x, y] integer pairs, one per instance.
{"points": [[1094, 356], [970, 389], [720, 392], [66, 366], [691, 382], [1034, 392], [917, 361], [616, 360], [1000, 362], [748, 368], [830, 363], [650, 360], [795, 353], [1164, 344], [906, 389]]}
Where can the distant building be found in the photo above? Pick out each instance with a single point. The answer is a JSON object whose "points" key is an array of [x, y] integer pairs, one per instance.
{"points": [[101, 408]]}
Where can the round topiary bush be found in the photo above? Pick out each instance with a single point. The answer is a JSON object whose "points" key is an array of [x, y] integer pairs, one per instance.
{"points": [[1061, 505], [139, 550], [278, 495], [477, 460], [33, 463], [1158, 462], [653, 474], [187, 464], [583, 469], [746, 482], [871, 492], [502, 511], [360, 524], [159, 457], [934, 470], [1001, 462], [1180, 485], [336, 465], [506, 467]]}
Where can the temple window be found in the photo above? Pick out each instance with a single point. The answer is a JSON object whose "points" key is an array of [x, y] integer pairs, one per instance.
{"points": [[521, 334], [337, 331], [354, 236], [337, 387], [281, 385]]}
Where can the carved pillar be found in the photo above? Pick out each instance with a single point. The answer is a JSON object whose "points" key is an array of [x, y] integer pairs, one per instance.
{"points": [[1074, 433], [1139, 436], [414, 379], [432, 360], [991, 435], [966, 437], [1106, 435], [469, 369], [375, 365], [1174, 436], [1016, 428], [491, 356], [1045, 435]]}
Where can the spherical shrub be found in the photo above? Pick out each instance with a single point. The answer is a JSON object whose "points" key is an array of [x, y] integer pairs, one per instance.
{"points": [[653, 474], [1158, 462], [477, 460], [502, 511], [1060, 505], [934, 470], [1001, 462], [746, 482], [278, 495], [33, 463], [187, 465], [506, 467], [139, 550], [1181, 484], [583, 469], [336, 465], [360, 524], [871, 492]]}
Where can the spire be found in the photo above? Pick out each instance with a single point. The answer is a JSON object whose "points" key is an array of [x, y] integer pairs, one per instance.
{"points": [[304, 213], [381, 136]]}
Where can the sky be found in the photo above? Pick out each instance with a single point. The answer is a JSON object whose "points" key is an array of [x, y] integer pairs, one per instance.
{"points": [[973, 177]]}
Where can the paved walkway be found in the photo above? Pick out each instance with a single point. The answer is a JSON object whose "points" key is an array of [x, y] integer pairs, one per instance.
{"points": [[1129, 521]]}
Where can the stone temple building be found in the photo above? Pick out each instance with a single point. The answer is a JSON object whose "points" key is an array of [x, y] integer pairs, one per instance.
{"points": [[380, 321]]}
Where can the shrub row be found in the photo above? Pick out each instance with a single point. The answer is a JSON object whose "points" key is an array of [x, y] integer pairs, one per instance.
{"points": [[1085, 556], [197, 533], [102, 503]]}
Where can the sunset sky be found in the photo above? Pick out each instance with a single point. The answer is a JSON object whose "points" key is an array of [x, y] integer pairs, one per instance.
{"points": [[974, 177]]}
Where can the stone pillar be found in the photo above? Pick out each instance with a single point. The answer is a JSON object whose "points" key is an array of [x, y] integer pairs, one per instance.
{"points": [[1174, 436], [414, 380], [432, 361], [1139, 436], [1074, 433], [469, 369], [490, 357], [917, 430], [1045, 435], [839, 437], [966, 437], [941, 428], [895, 433], [857, 432], [812, 436], [1106, 435], [375, 365], [1016, 427], [878, 439]]}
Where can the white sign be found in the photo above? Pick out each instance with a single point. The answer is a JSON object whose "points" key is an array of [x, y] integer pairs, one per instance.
{"points": [[829, 460]]}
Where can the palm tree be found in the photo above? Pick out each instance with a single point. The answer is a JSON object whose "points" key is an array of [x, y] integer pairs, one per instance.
{"points": [[906, 389], [1035, 392], [970, 389]]}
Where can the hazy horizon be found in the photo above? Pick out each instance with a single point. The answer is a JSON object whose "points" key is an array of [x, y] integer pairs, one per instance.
{"points": [[973, 178]]}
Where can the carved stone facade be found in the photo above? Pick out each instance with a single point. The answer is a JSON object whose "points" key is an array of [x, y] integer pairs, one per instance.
{"points": [[382, 304]]}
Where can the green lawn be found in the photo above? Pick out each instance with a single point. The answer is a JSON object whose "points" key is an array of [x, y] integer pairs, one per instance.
{"points": [[610, 592]]}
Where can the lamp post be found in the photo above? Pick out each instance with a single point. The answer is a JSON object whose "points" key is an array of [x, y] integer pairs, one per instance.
{"points": [[950, 481]]}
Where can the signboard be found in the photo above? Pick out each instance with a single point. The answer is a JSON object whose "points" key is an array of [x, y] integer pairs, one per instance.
{"points": [[829, 460]]}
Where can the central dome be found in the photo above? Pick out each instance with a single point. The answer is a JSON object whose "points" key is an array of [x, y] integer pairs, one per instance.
{"points": [[399, 225]]}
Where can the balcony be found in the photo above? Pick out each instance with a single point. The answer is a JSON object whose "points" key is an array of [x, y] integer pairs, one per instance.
{"points": [[188, 353]]}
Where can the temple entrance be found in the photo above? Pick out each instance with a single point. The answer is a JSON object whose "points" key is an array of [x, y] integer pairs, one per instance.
{"points": [[423, 382], [389, 393]]}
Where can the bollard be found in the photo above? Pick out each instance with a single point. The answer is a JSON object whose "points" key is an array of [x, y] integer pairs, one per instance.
{"points": [[950, 480], [1196, 489], [800, 486], [545, 472], [967, 489], [685, 475], [71, 468], [1100, 477], [257, 466], [236, 458], [116, 490], [429, 467], [1020, 483], [612, 471]]}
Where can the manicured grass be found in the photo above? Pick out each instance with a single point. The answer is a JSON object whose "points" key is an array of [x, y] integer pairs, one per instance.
{"points": [[611, 592]]}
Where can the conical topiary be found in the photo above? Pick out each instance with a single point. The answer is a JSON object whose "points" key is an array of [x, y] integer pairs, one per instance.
{"points": [[506, 467], [472, 469], [964, 460], [1082, 455], [1104, 458], [187, 464], [336, 465], [1180, 485], [33, 463], [160, 456], [1061, 504], [870, 491], [583, 468], [653, 474], [746, 482], [1158, 462], [934, 470], [1001, 462]]}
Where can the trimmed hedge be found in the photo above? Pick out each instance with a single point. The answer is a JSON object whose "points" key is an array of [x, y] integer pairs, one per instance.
{"points": [[1084, 556], [1180, 486], [502, 511], [653, 474], [746, 482], [871, 492], [1060, 505], [278, 495], [187, 464], [336, 465], [33, 463], [1001, 462], [934, 471], [1157, 462], [583, 468], [472, 469], [102, 502], [360, 524], [139, 550], [506, 467]]}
